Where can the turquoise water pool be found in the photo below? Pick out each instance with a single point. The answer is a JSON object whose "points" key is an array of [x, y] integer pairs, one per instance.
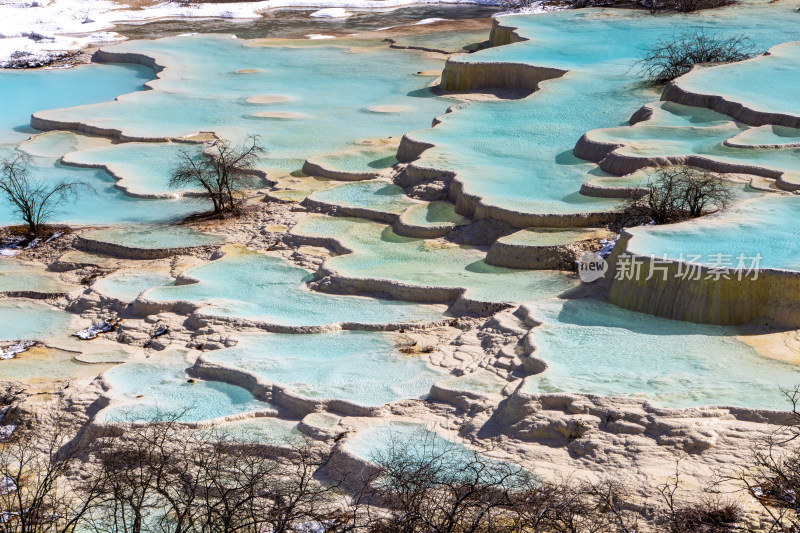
{"points": [[361, 367], [144, 168], [442, 459], [17, 276], [25, 92], [26, 320], [303, 100], [766, 226], [518, 154], [676, 130], [372, 195], [155, 237], [104, 205], [596, 348], [127, 285], [378, 252], [776, 91], [264, 288], [160, 389]]}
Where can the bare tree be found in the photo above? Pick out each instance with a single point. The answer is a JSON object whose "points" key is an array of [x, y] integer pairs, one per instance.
{"points": [[773, 477], [430, 485], [35, 201], [671, 57], [161, 477], [221, 172], [709, 514], [676, 193], [38, 494]]}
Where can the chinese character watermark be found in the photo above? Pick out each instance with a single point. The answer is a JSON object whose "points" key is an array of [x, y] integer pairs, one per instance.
{"points": [[691, 267]]}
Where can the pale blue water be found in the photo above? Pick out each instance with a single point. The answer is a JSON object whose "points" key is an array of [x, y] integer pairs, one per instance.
{"points": [[596, 348], [434, 214], [105, 205], [385, 439], [24, 92], [775, 92], [165, 392], [360, 160], [676, 130], [373, 195], [518, 154], [27, 320], [126, 285], [268, 289], [767, 226], [20, 276], [155, 237], [443, 459], [145, 168], [361, 367], [327, 93], [380, 253], [258, 430], [769, 136]]}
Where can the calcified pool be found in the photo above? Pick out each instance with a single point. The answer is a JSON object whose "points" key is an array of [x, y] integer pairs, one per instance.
{"points": [[236, 88], [104, 204], [488, 144], [379, 253], [361, 367], [154, 237], [596, 348], [161, 389], [268, 289], [381, 441], [492, 170], [127, 285], [765, 227], [22, 319]]}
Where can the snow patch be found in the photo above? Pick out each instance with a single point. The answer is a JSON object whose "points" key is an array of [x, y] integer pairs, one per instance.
{"points": [[35, 34], [96, 329], [428, 21], [331, 13], [11, 351]]}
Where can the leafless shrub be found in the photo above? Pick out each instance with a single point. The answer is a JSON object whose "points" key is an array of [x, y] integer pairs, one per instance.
{"points": [[772, 479], [706, 515], [221, 172], [35, 201], [671, 57], [37, 492], [160, 477], [427, 484], [676, 194]]}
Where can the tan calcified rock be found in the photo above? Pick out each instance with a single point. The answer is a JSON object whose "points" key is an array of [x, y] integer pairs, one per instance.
{"points": [[268, 99]]}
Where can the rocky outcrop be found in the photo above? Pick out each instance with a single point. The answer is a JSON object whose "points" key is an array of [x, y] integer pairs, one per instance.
{"points": [[462, 76]]}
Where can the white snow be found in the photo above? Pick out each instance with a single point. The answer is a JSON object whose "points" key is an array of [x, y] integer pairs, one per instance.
{"points": [[6, 431], [7, 486], [9, 352], [96, 329], [36, 32], [331, 13], [607, 246], [429, 21]]}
